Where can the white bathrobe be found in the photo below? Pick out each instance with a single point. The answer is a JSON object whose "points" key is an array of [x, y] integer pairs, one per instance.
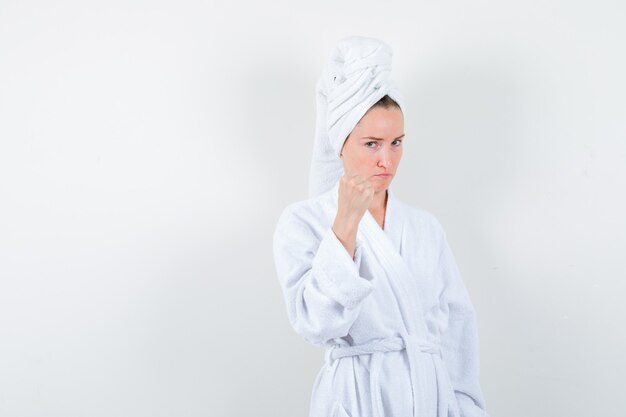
{"points": [[396, 321]]}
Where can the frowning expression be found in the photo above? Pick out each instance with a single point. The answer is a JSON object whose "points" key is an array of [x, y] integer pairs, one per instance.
{"points": [[374, 147]]}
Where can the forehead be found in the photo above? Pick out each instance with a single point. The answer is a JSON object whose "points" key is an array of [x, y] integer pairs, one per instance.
{"points": [[381, 122]]}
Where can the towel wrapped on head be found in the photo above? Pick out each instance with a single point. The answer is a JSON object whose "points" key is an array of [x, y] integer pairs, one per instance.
{"points": [[357, 76]]}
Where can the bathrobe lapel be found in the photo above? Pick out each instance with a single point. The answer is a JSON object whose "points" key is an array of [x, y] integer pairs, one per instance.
{"points": [[382, 249], [390, 263]]}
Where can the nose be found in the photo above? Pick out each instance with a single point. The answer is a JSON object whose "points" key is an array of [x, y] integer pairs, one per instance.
{"points": [[384, 159]]}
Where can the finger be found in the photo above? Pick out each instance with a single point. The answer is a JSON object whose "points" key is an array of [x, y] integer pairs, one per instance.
{"points": [[348, 176], [357, 178], [363, 180]]}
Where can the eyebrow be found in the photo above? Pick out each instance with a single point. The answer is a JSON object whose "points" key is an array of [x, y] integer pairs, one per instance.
{"points": [[371, 137]]}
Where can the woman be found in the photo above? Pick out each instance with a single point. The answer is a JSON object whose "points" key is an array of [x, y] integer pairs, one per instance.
{"points": [[368, 277]]}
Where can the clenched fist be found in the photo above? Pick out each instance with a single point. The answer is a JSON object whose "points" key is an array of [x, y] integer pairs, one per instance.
{"points": [[354, 197]]}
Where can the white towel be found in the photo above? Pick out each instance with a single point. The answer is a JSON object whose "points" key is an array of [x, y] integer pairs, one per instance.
{"points": [[357, 76]]}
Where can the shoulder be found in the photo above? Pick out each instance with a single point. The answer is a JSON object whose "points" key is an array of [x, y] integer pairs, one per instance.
{"points": [[422, 219]]}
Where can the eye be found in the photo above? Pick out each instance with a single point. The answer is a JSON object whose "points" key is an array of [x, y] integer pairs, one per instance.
{"points": [[399, 141], [367, 144]]}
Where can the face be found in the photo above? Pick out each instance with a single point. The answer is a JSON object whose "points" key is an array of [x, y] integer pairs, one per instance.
{"points": [[375, 146]]}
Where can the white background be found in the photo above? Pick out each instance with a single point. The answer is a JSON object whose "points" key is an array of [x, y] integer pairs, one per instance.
{"points": [[147, 149]]}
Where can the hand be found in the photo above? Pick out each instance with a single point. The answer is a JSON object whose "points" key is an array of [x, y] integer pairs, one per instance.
{"points": [[354, 197]]}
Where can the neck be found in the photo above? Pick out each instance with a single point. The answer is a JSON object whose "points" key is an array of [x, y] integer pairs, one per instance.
{"points": [[379, 202]]}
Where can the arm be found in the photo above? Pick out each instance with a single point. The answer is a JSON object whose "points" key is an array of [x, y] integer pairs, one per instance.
{"points": [[459, 340], [319, 279]]}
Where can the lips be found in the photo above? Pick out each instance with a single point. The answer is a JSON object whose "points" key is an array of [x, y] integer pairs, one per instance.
{"points": [[383, 175]]}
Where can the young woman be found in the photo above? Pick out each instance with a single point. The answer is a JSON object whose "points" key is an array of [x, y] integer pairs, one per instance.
{"points": [[368, 277]]}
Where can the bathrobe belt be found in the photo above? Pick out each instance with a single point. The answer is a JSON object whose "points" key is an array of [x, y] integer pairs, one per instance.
{"points": [[417, 352]]}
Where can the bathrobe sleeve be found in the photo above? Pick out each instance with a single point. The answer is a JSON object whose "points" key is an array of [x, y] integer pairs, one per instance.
{"points": [[459, 340], [319, 279]]}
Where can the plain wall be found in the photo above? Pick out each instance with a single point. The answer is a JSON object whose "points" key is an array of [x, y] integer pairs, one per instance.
{"points": [[147, 149]]}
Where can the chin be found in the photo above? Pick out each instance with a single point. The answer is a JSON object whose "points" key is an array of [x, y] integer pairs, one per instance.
{"points": [[380, 187]]}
